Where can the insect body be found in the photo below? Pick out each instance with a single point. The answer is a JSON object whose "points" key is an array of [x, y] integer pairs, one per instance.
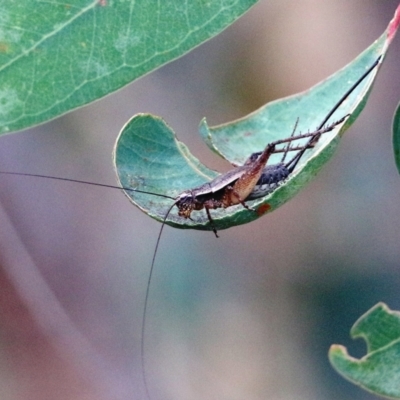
{"points": [[227, 189], [255, 178], [245, 182]]}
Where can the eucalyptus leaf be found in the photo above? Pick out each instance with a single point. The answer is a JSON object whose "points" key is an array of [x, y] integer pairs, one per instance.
{"points": [[379, 370], [148, 156], [57, 56]]}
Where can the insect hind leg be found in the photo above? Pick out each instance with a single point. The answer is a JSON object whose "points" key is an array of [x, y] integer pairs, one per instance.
{"points": [[316, 134], [287, 147], [233, 192], [314, 137]]}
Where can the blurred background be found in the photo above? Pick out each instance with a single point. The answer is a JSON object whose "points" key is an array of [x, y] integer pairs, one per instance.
{"points": [[250, 315]]}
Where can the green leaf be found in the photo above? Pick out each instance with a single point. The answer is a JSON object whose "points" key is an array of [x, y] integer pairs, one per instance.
{"points": [[379, 370], [149, 156], [57, 56], [396, 137]]}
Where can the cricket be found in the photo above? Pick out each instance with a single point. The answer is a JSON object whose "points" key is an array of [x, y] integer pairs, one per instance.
{"points": [[237, 187]]}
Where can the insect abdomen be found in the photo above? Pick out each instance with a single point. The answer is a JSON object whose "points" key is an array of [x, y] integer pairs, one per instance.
{"points": [[270, 179]]}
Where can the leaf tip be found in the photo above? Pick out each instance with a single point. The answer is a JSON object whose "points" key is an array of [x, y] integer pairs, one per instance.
{"points": [[203, 128], [394, 25], [339, 358], [206, 135], [337, 351]]}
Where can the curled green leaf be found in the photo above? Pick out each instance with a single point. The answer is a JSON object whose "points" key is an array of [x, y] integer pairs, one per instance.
{"points": [[379, 370], [149, 157]]}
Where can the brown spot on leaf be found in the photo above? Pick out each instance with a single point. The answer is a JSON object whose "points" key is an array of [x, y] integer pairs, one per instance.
{"points": [[263, 209]]}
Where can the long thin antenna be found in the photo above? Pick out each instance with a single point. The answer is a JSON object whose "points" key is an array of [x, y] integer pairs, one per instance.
{"points": [[154, 255], [146, 302], [57, 178], [293, 162], [347, 94]]}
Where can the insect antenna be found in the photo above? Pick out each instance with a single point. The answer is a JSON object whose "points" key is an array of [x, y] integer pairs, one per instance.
{"points": [[347, 94], [146, 299], [291, 165], [154, 254], [57, 178]]}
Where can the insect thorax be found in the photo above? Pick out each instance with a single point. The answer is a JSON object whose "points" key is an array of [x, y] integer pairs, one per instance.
{"points": [[191, 200]]}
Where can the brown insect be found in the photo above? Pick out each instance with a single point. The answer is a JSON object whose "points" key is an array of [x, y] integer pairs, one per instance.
{"points": [[236, 186]]}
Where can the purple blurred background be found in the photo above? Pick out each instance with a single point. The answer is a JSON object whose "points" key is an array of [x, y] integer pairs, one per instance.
{"points": [[248, 316]]}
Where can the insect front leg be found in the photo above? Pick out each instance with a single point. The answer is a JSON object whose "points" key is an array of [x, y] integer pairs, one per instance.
{"points": [[214, 229], [211, 204]]}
